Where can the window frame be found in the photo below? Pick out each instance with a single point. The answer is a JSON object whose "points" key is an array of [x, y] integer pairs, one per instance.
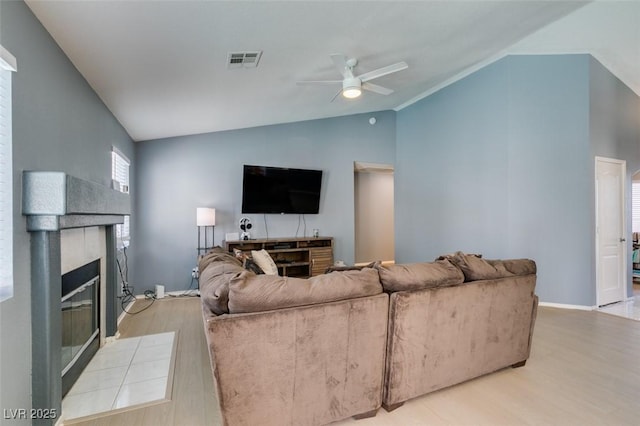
{"points": [[120, 173], [8, 65]]}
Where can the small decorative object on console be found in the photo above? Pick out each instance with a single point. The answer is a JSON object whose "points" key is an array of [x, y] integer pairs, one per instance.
{"points": [[245, 225]]}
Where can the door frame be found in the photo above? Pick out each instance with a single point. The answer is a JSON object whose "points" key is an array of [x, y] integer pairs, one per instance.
{"points": [[623, 210]]}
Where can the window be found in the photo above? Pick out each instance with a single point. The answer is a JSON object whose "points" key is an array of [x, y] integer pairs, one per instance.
{"points": [[120, 176], [7, 66]]}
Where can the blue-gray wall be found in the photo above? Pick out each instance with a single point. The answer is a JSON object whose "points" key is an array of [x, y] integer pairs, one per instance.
{"points": [[58, 124], [502, 163], [177, 175], [615, 133]]}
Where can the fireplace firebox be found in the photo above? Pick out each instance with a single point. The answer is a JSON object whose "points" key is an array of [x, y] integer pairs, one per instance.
{"points": [[80, 321]]}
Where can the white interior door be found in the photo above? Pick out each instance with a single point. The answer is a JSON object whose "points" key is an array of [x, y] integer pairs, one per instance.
{"points": [[611, 243]]}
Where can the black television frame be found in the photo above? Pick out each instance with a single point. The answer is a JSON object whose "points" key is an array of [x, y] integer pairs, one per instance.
{"points": [[299, 193]]}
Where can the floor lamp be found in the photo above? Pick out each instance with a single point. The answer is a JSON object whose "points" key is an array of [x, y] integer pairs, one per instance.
{"points": [[205, 219]]}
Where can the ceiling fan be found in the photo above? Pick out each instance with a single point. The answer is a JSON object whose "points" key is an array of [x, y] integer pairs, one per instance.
{"points": [[352, 85]]}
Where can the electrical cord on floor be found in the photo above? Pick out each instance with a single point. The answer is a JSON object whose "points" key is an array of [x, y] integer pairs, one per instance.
{"points": [[128, 297], [127, 291], [189, 291]]}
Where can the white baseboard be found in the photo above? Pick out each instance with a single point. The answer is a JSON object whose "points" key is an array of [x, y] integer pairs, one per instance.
{"points": [[172, 294], [565, 306], [123, 313], [193, 291], [113, 338]]}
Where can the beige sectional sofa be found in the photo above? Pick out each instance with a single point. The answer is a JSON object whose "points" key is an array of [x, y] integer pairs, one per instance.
{"points": [[289, 351], [454, 320], [284, 364]]}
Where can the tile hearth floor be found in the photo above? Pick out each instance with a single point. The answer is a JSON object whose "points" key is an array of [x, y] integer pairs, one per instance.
{"points": [[124, 374]]}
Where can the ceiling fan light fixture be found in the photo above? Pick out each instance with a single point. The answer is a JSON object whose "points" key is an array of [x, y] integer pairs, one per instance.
{"points": [[351, 88], [351, 92]]}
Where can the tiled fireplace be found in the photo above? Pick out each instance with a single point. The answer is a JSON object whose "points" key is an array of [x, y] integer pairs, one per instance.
{"points": [[72, 225], [83, 255]]}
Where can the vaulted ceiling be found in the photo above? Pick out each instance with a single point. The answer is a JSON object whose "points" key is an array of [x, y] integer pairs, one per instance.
{"points": [[161, 67]]}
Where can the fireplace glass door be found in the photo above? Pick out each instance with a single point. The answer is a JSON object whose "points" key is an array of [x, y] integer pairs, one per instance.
{"points": [[80, 320]]}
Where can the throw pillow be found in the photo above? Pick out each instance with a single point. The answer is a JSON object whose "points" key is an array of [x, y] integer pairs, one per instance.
{"points": [[251, 265], [264, 261], [240, 255], [476, 268]]}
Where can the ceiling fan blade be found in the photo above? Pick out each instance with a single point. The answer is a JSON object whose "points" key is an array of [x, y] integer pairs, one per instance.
{"points": [[377, 89], [340, 61], [318, 82], [336, 95], [383, 71]]}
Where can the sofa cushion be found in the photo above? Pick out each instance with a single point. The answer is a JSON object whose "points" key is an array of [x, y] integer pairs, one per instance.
{"points": [[415, 276], [249, 292], [216, 270], [519, 266], [476, 268], [334, 268], [216, 254]]}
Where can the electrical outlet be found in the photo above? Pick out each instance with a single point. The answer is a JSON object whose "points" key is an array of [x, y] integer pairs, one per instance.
{"points": [[194, 273]]}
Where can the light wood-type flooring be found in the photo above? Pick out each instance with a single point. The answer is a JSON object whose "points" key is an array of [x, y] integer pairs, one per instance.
{"points": [[584, 370]]}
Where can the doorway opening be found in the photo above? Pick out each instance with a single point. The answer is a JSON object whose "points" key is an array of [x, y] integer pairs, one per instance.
{"points": [[635, 229], [374, 213]]}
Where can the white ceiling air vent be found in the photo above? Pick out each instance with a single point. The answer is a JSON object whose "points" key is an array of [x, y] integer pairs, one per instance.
{"points": [[243, 59]]}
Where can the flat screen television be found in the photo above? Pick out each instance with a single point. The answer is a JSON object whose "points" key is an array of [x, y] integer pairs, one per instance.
{"points": [[280, 190]]}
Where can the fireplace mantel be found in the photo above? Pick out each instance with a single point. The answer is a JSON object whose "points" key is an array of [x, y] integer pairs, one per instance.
{"points": [[51, 202], [55, 200]]}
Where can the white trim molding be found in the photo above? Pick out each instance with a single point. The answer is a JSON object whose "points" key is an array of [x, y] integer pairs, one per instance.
{"points": [[7, 60], [565, 306]]}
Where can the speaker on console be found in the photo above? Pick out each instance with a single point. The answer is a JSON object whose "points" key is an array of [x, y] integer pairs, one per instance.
{"points": [[245, 225]]}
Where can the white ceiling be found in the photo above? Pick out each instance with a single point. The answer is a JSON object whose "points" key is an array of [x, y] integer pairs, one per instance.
{"points": [[160, 66]]}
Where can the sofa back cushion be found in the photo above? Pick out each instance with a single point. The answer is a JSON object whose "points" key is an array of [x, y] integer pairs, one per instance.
{"points": [[216, 270], [249, 292], [476, 268], [310, 365], [416, 276]]}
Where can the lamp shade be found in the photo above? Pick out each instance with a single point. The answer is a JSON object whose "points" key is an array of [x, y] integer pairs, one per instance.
{"points": [[205, 216]]}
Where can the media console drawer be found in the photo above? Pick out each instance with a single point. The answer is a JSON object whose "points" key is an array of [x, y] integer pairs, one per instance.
{"points": [[294, 257]]}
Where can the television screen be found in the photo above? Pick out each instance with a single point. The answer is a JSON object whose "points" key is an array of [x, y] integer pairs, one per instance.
{"points": [[280, 190]]}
